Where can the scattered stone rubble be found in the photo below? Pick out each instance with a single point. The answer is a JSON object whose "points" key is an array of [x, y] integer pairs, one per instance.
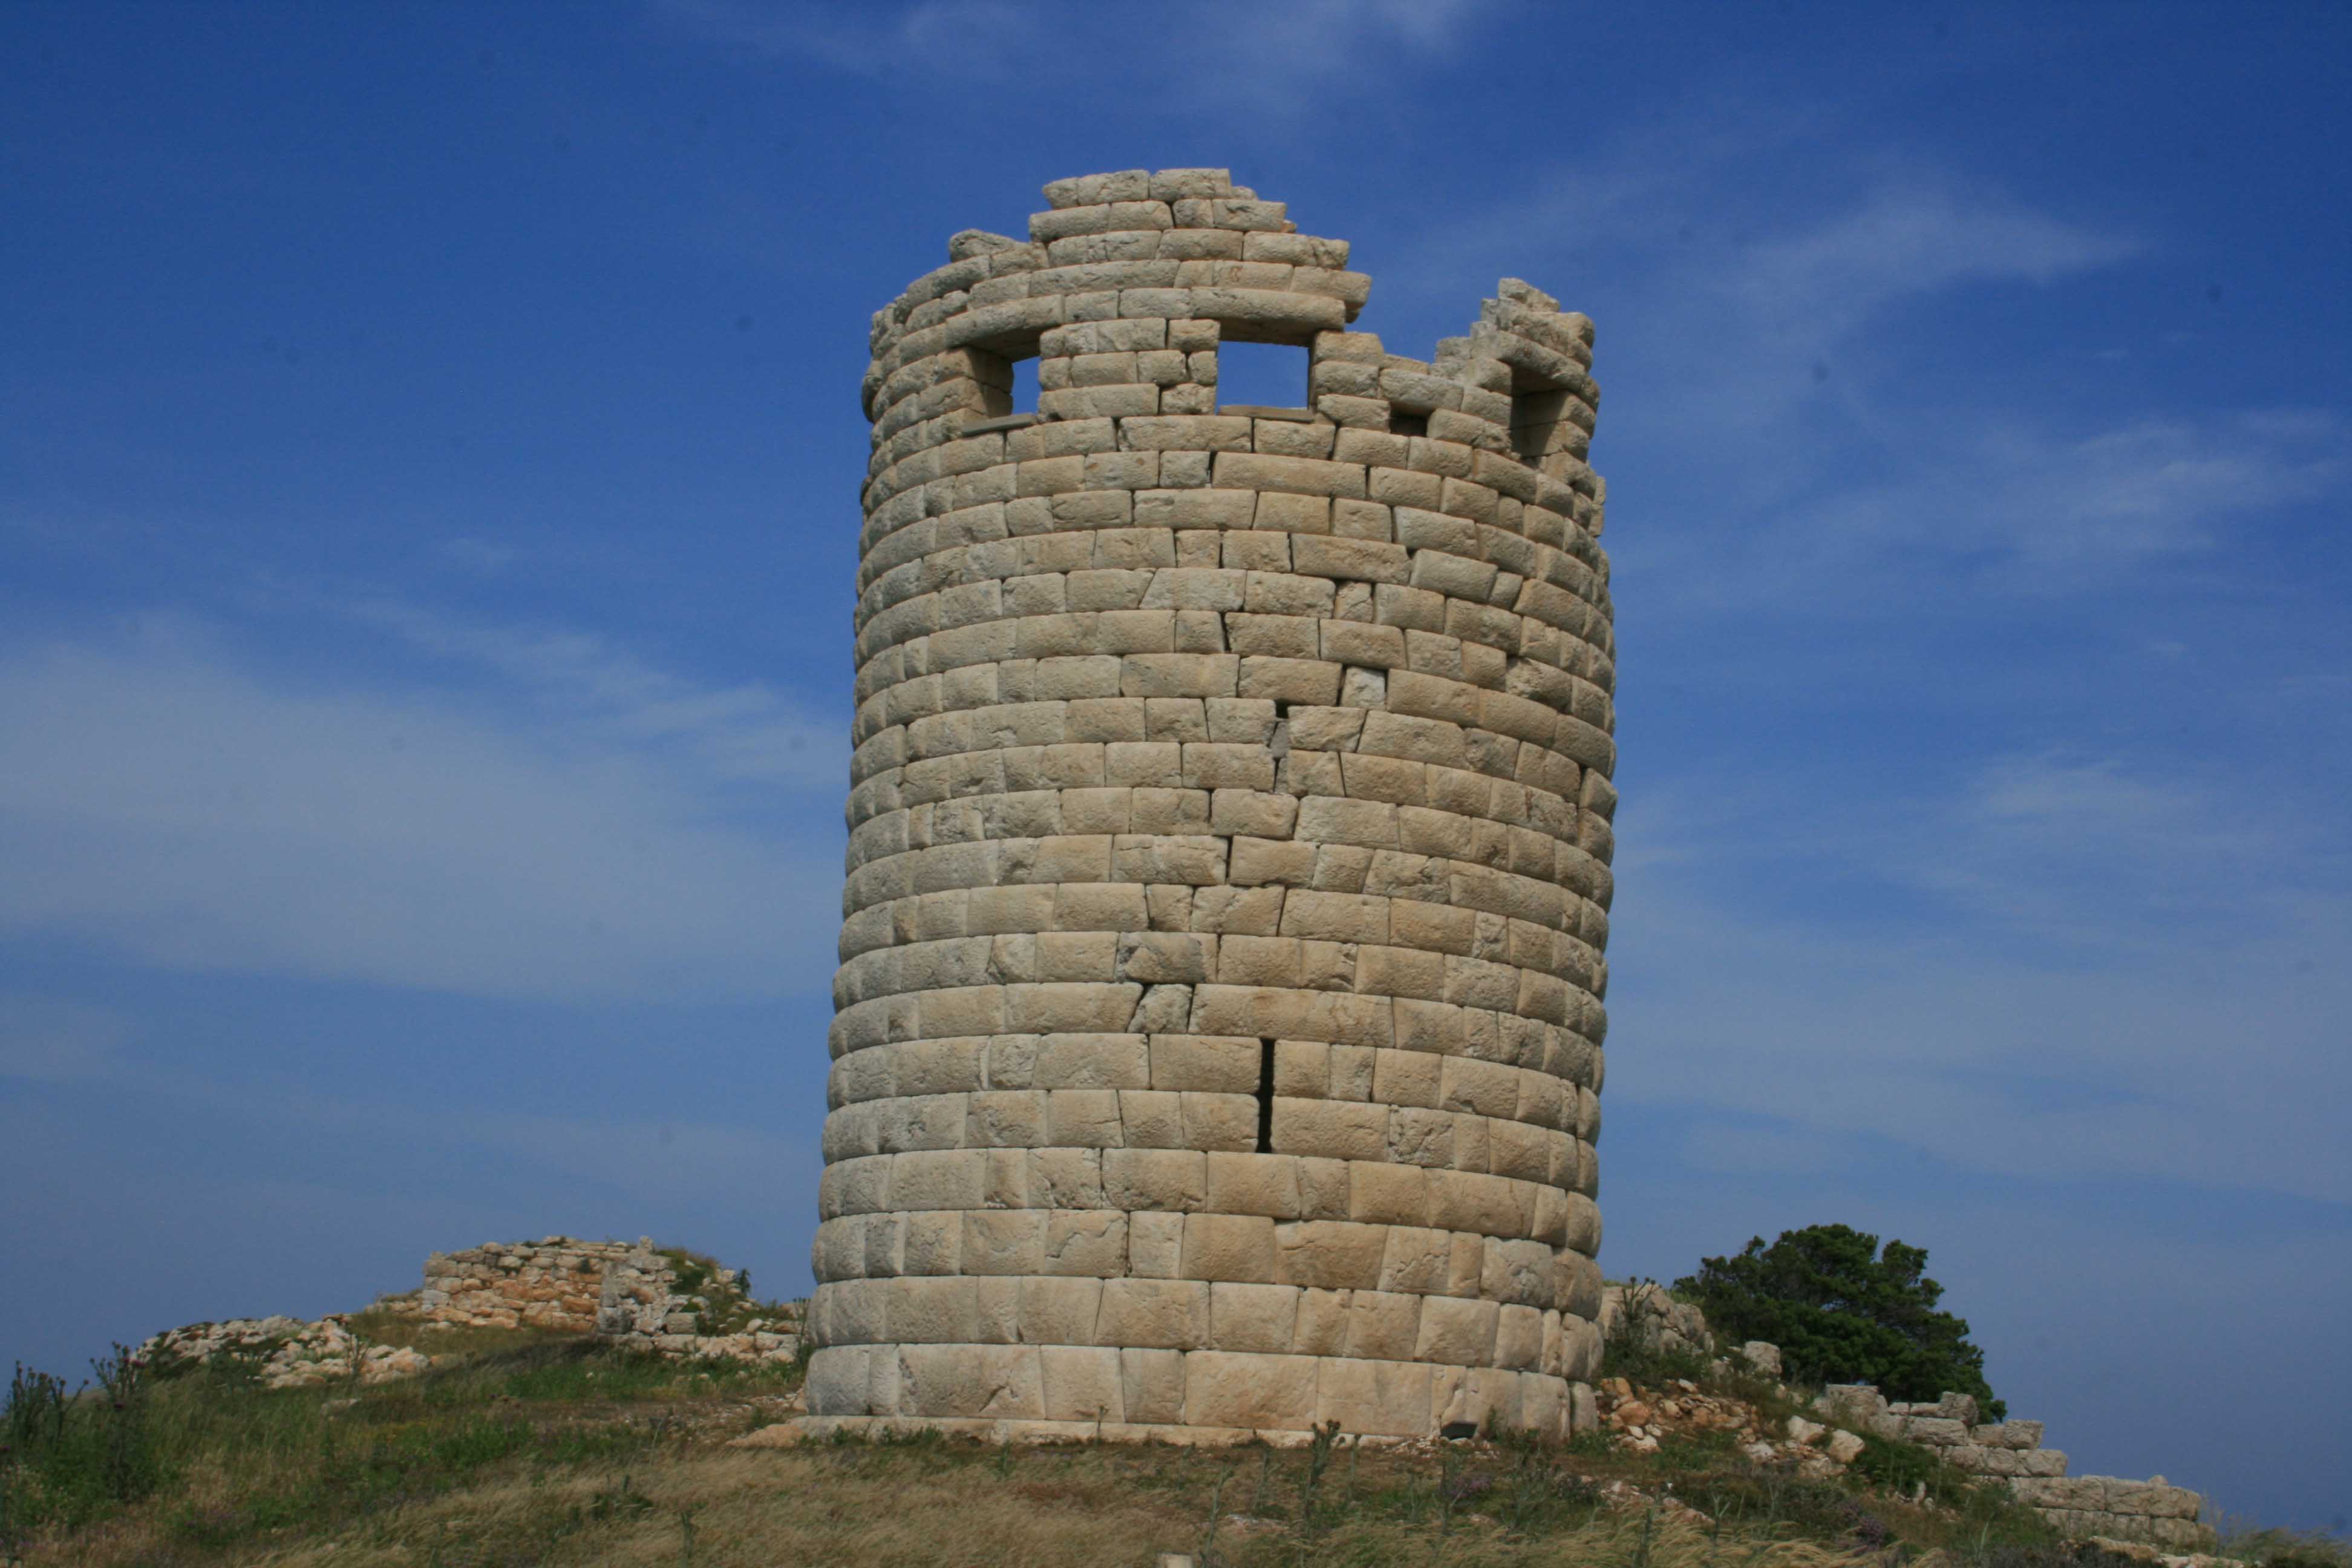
{"points": [[634, 1296], [285, 1352]]}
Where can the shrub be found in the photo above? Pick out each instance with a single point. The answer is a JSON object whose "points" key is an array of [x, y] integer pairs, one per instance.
{"points": [[2287, 1548], [1842, 1312]]}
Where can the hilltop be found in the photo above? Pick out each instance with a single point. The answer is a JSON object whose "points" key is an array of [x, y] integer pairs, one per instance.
{"points": [[526, 1444]]}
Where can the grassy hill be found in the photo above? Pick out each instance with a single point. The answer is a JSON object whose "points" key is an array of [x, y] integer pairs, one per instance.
{"points": [[517, 1449]]}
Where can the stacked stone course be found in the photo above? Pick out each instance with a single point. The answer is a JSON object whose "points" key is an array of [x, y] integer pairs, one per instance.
{"points": [[2078, 1506], [1218, 1028], [556, 1284]]}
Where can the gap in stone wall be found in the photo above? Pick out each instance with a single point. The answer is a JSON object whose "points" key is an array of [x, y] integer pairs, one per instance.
{"points": [[1265, 1097], [1535, 413], [1271, 375]]}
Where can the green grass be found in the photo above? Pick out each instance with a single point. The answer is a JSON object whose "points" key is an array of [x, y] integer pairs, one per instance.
{"points": [[227, 1460]]}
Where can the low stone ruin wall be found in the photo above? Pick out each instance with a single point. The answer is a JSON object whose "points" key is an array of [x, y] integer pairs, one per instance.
{"points": [[631, 1294], [641, 1305], [1643, 1310], [556, 1284], [2151, 1510]]}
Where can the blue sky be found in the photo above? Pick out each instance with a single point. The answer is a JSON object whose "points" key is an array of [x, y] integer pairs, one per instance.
{"points": [[429, 450]]}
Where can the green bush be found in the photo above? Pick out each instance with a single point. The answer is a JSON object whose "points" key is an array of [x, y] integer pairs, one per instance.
{"points": [[1842, 1312]]}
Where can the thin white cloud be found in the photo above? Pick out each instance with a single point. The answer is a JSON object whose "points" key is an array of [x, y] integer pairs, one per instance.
{"points": [[2112, 975], [194, 811], [481, 557], [2064, 510], [1778, 340], [1267, 62], [974, 35], [1906, 239], [746, 731]]}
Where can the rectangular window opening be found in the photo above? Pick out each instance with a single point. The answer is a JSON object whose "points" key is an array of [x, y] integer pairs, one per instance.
{"points": [[1008, 382], [1262, 375], [1265, 1097], [1402, 423]]}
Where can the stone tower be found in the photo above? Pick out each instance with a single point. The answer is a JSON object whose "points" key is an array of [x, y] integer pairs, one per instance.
{"points": [[1219, 1014]]}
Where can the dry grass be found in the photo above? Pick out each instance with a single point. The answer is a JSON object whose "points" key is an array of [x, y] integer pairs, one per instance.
{"points": [[558, 1454], [956, 1505]]}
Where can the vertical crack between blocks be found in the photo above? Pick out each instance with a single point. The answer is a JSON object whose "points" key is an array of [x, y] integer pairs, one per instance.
{"points": [[1265, 1097]]}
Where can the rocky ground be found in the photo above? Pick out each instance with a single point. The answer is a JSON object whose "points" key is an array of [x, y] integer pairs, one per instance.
{"points": [[285, 1352]]}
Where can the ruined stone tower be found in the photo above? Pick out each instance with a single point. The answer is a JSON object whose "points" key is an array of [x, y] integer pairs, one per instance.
{"points": [[1219, 1010]]}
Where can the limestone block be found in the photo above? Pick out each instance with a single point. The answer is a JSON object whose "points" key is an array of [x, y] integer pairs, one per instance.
{"points": [[1935, 1431], [1226, 1064], [1322, 1323], [1372, 1397], [1092, 1242], [1081, 1383], [1004, 1241], [1253, 1183], [1151, 1384], [1253, 1317], [1169, 1314], [932, 1243], [837, 1380], [1214, 1121], [2082, 1492], [1332, 1255], [1228, 1389], [1174, 1181], [1238, 1248], [1519, 1337], [2008, 1434]]}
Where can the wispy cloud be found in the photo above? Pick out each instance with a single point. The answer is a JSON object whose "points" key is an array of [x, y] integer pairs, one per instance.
{"points": [[742, 731], [1225, 51], [1770, 330], [2118, 979], [1908, 239], [2025, 509], [931, 35], [204, 812]]}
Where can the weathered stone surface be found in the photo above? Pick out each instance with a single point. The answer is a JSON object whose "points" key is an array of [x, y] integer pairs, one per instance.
{"points": [[1226, 900]]}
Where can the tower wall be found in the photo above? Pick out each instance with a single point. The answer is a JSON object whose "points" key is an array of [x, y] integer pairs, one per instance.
{"points": [[1219, 1014]]}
